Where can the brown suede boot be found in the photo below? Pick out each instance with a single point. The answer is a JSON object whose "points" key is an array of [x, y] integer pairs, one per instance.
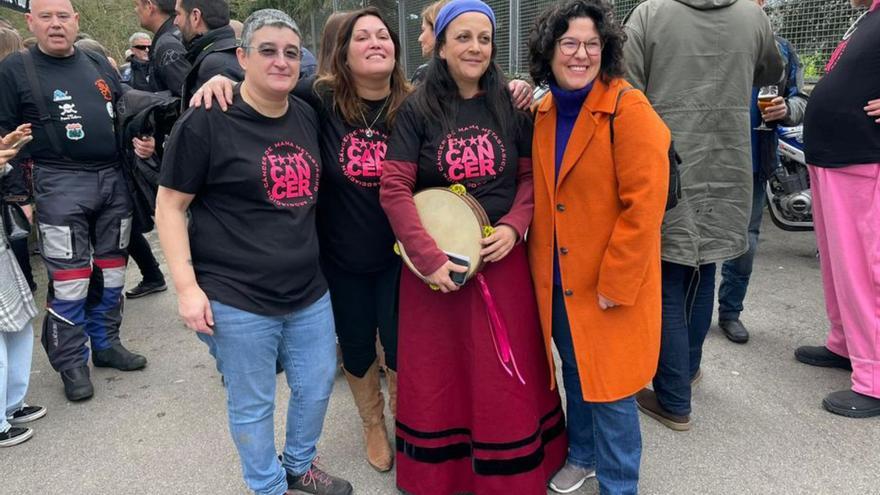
{"points": [[391, 376], [367, 394]]}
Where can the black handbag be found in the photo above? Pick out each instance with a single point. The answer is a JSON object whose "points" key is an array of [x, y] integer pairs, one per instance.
{"points": [[16, 222], [673, 194]]}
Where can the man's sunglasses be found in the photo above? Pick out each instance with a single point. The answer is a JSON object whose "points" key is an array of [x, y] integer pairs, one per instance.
{"points": [[141, 47]]}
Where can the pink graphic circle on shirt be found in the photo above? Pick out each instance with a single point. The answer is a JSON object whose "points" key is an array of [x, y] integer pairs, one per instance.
{"points": [[472, 156], [290, 175], [360, 156]]}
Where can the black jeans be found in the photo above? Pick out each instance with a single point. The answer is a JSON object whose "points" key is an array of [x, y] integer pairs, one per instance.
{"points": [[363, 302], [142, 254], [688, 295]]}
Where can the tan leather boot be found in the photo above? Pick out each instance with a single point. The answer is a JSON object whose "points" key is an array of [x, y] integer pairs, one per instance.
{"points": [[391, 376], [367, 394]]}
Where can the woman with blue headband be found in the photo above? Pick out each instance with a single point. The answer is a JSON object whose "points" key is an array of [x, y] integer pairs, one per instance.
{"points": [[470, 417]]}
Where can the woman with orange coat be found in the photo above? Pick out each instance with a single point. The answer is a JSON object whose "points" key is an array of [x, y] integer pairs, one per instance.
{"points": [[594, 243]]}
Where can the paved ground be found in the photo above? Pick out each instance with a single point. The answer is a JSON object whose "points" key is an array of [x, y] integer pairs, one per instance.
{"points": [[759, 426]]}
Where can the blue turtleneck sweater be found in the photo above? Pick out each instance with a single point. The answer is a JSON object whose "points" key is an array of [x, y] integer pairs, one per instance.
{"points": [[568, 107]]}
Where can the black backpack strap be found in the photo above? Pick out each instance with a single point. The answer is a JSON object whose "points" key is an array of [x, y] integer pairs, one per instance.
{"points": [[614, 113], [37, 93]]}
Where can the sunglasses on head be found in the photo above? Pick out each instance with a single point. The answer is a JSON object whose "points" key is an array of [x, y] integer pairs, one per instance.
{"points": [[141, 47]]}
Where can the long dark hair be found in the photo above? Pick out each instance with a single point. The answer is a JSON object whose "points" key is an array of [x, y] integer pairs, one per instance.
{"points": [[340, 80], [439, 100]]}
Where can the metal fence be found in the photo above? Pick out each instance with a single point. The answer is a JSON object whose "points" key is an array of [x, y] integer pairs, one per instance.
{"points": [[814, 27]]}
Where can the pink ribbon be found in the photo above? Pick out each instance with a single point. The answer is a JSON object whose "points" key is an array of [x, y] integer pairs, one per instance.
{"points": [[498, 329]]}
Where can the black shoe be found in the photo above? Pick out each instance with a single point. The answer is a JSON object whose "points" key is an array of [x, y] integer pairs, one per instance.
{"points": [[26, 414], [819, 355], [77, 385], [852, 404], [734, 330], [145, 288], [15, 436], [318, 482], [118, 357]]}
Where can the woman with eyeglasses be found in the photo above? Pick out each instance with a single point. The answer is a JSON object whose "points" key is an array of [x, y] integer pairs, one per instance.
{"points": [[476, 413], [594, 243], [246, 266], [357, 97]]}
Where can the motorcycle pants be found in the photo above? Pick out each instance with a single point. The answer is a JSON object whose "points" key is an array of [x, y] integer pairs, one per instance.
{"points": [[84, 218]]}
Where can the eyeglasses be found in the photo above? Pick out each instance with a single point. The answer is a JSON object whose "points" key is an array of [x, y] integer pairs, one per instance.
{"points": [[290, 54], [141, 47], [570, 46]]}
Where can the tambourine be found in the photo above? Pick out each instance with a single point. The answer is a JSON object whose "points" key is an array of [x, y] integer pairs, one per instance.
{"points": [[456, 221]]}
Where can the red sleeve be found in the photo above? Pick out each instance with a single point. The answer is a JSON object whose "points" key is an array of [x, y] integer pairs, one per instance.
{"points": [[396, 196], [520, 215]]}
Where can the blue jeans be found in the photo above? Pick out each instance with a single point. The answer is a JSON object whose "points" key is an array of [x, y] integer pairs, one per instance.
{"points": [[16, 349], [735, 273], [688, 295], [604, 436], [246, 346]]}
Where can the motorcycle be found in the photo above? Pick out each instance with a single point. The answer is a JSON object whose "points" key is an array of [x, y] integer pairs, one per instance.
{"points": [[789, 199]]}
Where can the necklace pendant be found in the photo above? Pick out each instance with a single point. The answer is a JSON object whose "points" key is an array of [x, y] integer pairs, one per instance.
{"points": [[369, 133]]}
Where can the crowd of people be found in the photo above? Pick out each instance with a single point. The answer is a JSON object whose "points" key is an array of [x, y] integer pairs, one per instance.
{"points": [[283, 187]]}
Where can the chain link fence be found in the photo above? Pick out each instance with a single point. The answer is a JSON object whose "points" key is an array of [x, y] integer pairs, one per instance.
{"points": [[814, 27]]}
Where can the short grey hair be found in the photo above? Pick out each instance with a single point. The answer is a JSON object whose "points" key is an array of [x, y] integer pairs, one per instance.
{"points": [[263, 18], [137, 36]]}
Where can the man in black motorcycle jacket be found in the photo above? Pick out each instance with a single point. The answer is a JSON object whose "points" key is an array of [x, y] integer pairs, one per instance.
{"points": [[168, 64], [210, 43]]}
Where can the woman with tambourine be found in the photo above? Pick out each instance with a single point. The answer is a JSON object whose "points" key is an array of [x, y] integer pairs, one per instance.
{"points": [[476, 413]]}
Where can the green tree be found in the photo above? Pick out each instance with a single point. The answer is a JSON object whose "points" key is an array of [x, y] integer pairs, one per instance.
{"points": [[110, 22], [297, 9]]}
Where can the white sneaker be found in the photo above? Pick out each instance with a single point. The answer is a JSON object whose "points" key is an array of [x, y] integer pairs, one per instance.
{"points": [[570, 478]]}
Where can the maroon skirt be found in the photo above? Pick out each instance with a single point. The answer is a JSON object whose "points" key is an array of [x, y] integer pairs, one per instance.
{"points": [[464, 425]]}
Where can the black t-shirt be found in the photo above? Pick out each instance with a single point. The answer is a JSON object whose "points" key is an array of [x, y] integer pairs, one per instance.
{"points": [[837, 131], [80, 93], [476, 154], [252, 226], [353, 228]]}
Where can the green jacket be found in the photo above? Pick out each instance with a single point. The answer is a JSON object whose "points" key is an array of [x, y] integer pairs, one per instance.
{"points": [[697, 61]]}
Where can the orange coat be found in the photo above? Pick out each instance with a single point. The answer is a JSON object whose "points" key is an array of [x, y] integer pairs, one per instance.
{"points": [[605, 211]]}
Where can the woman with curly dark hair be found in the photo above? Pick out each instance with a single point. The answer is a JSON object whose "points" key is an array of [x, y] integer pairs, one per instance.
{"points": [[594, 242]]}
